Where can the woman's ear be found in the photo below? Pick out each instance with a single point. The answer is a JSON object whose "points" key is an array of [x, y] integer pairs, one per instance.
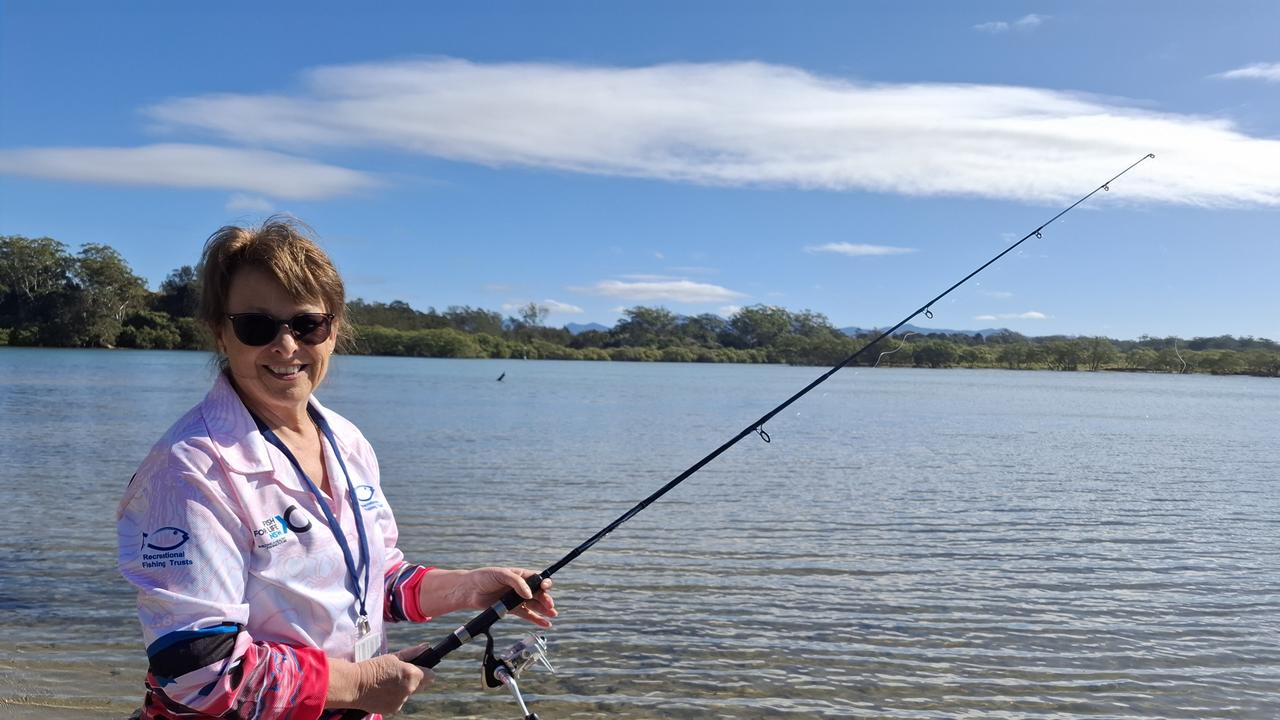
{"points": [[218, 344]]}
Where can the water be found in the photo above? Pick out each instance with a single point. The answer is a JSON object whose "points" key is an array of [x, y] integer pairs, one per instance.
{"points": [[912, 544]]}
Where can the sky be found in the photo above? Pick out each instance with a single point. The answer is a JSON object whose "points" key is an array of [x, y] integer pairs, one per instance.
{"points": [[850, 158]]}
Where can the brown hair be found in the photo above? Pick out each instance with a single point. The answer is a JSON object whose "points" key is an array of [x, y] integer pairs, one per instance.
{"points": [[283, 248]]}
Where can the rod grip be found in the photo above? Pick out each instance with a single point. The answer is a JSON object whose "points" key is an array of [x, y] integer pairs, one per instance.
{"points": [[476, 626]]}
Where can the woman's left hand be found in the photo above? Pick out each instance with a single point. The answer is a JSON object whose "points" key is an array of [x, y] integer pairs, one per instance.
{"points": [[444, 591]]}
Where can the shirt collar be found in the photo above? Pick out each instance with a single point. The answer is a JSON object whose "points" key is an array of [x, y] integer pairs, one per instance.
{"points": [[237, 439], [232, 430]]}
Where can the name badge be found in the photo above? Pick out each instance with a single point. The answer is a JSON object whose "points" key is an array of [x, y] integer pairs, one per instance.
{"points": [[367, 643]]}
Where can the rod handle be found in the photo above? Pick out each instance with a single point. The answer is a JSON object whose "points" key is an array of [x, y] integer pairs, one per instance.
{"points": [[476, 626]]}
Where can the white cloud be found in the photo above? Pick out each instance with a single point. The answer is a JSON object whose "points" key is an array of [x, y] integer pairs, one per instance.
{"points": [[1026, 22], [710, 124], [649, 277], [997, 294], [555, 306], [1029, 315], [1269, 72], [681, 291], [857, 250], [693, 270], [552, 306], [188, 166], [239, 202], [729, 311]]}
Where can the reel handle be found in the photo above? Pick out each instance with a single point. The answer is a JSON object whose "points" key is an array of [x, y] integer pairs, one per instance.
{"points": [[475, 627]]}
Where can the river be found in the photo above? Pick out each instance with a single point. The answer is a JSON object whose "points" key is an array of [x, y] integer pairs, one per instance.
{"points": [[911, 544]]}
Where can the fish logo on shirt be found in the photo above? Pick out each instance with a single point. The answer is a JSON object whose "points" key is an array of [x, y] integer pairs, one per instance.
{"points": [[165, 539], [366, 495]]}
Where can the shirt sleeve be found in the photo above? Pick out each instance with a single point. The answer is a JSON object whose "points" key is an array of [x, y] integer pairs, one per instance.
{"points": [[186, 550]]}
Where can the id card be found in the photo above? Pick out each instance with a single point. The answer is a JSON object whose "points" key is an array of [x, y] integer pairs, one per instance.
{"points": [[367, 643]]}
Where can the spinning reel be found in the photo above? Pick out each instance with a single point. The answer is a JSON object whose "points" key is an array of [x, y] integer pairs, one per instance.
{"points": [[503, 668]]}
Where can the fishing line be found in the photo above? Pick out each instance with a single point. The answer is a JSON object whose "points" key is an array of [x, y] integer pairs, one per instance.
{"points": [[900, 346], [480, 624], [1184, 362]]}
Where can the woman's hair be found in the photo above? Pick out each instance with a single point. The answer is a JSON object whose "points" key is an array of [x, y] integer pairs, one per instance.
{"points": [[282, 248]]}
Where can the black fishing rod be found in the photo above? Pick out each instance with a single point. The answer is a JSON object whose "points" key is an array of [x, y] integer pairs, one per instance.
{"points": [[480, 624]]}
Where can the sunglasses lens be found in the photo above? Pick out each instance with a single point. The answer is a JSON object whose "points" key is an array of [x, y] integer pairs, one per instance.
{"points": [[310, 328], [253, 329]]}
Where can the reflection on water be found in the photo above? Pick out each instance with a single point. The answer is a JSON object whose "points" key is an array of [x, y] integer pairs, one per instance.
{"points": [[915, 544]]}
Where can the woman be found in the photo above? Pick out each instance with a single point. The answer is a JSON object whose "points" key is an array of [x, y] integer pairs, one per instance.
{"points": [[256, 532]]}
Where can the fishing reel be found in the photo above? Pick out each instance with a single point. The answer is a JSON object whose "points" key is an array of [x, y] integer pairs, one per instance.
{"points": [[503, 668]]}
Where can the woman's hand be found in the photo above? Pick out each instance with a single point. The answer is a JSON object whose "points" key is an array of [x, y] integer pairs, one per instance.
{"points": [[444, 591], [377, 685]]}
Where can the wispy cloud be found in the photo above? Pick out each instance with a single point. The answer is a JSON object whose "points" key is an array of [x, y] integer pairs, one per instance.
{"points": [[1026, 22], [1029, 315], [240, 202], [729, 311], [706, 123], [1269, 72], [649, 277], [555, 306], [693, 270], [680, 291], [188, 166], [857, 250], [552, 306], [997, 294]]}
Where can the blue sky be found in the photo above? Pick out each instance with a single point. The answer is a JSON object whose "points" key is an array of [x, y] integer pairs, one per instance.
{"points": [[849, 158]]}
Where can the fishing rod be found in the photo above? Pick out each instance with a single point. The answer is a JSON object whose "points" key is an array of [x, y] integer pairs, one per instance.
{"points": [[503, 669]]}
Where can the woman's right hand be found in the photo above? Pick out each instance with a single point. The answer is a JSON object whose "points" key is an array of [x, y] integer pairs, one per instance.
{"points": [[377, 685]]}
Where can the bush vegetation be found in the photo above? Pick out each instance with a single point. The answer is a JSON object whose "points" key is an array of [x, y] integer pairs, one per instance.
{"points": [[51, 297]]}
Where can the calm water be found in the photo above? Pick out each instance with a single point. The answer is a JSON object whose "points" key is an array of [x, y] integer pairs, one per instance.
{"points": [[912, 544]]}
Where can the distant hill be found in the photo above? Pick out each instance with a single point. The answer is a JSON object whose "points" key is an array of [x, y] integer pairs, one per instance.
{"points": [[579, 328], [855, 331]]}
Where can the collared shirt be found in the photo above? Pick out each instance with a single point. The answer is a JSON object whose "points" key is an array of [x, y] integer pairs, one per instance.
{"points": [[221, 537]]}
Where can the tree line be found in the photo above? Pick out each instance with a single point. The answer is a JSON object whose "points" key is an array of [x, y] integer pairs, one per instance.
{"points": [[92, 298]]}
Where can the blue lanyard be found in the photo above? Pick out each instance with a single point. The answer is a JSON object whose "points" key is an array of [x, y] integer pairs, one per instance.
{"points": [[334, 526]]}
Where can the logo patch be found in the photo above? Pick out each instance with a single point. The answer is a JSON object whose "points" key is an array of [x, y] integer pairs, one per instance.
{"points": [[366, 495], [275, 530], [166, 538], [166, 543]]}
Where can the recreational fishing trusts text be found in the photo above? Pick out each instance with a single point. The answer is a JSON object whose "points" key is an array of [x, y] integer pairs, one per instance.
{"points": [[157, 560]]}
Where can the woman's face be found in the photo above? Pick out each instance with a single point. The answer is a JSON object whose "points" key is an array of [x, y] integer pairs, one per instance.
{"points": [[281, 375]]}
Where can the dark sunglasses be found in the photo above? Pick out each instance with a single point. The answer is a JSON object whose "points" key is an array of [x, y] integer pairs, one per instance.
{"points": [[258, 329]]}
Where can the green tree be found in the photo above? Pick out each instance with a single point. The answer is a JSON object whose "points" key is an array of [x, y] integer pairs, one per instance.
{"points": [[1141, 358], [935, 354], [108, 292], [179, 294], [474, 320], [32, 272], [1064, 354], [703, 330], [757, 326], [534, 314], [647, 327], [1097, 352]]}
